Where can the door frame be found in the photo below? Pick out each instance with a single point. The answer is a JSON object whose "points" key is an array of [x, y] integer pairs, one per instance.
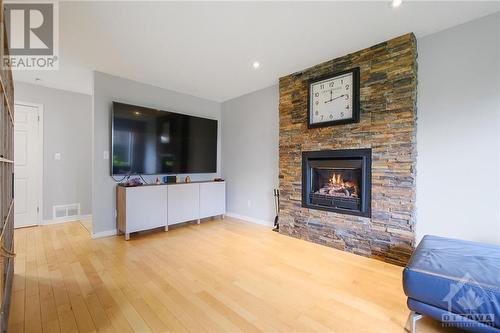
{"points": [[39, 157]]}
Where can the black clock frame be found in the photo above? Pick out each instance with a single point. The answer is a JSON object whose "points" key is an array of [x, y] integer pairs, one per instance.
{"points": [[355, 99]]}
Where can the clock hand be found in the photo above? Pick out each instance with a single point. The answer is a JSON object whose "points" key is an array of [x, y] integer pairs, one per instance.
{"points": [[332, 99], [331, 93], [339, 96]]}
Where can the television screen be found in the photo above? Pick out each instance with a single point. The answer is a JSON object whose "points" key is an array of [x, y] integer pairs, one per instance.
{"points": [[149, 142]]}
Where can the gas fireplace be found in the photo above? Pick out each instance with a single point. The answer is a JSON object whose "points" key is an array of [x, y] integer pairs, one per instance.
{"points": [[337, 181]]}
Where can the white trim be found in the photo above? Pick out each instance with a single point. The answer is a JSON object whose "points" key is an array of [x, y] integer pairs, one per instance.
{"points": [[68, 219], [251, 219], [26, 226], [85, 217], [106, 233], [40, 154]]}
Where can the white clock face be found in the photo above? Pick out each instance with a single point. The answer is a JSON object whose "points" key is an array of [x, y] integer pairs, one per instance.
{"points": [[331, 99]]}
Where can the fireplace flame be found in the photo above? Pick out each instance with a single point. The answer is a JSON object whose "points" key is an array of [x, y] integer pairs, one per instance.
{"points": [[338, 186], [336, 179]]}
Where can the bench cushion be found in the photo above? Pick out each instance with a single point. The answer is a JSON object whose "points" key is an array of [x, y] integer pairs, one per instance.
{"points": [[462, 277]]}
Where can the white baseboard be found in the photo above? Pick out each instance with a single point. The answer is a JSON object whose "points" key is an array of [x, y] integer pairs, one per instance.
{"points": [[250, 219], [67, 219], [85, 217], [106, 233]]}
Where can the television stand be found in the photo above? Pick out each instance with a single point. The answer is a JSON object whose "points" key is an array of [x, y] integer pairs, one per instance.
{"points": [[162, 205]]}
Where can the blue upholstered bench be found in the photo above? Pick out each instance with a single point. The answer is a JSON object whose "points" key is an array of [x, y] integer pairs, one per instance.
{"points": [[456, 282]]}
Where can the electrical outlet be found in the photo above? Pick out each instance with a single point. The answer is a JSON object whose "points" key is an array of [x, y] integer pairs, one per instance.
{"points": [[57, 156], [105, 155]]}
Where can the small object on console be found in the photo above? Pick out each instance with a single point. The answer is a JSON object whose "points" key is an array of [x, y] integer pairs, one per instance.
{"points": [[169, 179], [133, 182]]}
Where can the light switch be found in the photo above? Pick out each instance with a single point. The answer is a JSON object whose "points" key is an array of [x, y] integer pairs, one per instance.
{"points": [[106, 155], [57, 156]]}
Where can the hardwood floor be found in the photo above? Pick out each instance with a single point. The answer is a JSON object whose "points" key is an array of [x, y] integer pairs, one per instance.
{"points": [[220, 276]]}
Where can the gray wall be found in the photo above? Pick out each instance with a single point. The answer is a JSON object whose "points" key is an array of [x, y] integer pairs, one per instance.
{"points": [[458, 137], [108, 88], [67, 130], [250, 153]]}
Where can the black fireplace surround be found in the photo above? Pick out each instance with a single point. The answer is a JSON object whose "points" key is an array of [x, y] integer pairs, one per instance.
{"points": [[338, 181]]}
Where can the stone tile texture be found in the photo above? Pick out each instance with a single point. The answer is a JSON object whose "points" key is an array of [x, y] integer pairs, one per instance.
{"points": [[388, 94]]}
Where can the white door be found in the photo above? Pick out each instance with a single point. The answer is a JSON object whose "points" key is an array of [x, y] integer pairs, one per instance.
{"points": [[27, 165]]}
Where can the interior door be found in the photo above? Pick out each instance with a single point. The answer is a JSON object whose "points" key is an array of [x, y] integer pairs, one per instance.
{"points": [[27, 164]]}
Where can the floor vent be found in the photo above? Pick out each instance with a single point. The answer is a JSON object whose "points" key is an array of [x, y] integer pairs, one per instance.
{"points": [[66, 212]]}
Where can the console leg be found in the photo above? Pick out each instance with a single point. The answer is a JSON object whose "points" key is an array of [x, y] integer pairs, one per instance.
{"points": [[127, 236], [198, 221], [166, 228], [414, 317], [223, 216]]}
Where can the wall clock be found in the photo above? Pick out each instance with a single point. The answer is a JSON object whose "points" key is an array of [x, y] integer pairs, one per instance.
{"points": [[334, 99]]}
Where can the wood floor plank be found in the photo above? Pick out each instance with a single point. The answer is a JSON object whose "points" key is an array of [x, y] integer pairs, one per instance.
{"points": [[131, 315], [49, 314], [67, 321], [71, 281], [32, 315], [220, 276], [98, 314], [16, 315]]}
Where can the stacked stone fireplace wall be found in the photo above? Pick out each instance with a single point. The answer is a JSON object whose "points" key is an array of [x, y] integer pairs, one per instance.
{"points": [[388, 92]]}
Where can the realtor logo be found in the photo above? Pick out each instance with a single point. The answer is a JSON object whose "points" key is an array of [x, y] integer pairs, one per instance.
{"points": [[32, 32], [467, 301]]}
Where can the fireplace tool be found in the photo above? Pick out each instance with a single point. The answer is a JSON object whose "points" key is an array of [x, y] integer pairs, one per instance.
{"points": [[277, 206]]}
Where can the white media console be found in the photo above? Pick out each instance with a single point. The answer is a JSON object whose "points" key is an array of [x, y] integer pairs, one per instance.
{"points": [[161, 205]]}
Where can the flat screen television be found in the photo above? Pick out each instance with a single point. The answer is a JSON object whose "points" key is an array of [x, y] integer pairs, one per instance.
{"points": [[150, 142]]}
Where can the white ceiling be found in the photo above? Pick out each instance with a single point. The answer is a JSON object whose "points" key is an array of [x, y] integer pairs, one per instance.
{"points": [[207, 49]]}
